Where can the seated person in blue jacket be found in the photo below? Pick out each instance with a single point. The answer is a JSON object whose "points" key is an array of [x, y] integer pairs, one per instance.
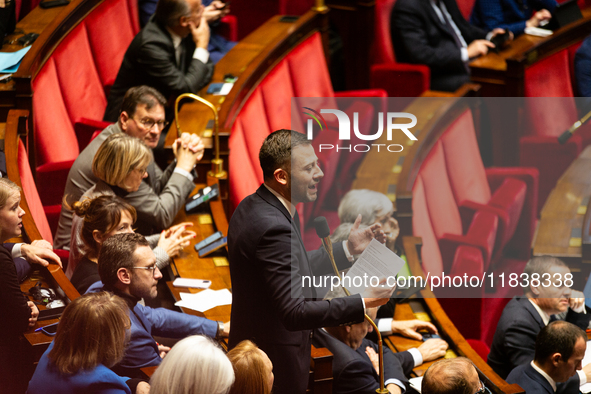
{"points": [[90, 339], [356, 362], [512, 15], [560, 348], [127, 267]]}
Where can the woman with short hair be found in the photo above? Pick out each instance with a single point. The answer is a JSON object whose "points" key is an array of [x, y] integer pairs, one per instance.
{"points": [[90, 339], [120, 164], [195, 365]]}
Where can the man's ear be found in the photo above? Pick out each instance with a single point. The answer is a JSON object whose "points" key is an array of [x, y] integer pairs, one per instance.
{"points": [[123, 118], [124, 276], [535, 290], [281, 176], [184, 21], [556, 358]]}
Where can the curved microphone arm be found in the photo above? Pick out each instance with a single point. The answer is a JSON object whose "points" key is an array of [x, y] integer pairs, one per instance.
{"points": [[217, 164]]}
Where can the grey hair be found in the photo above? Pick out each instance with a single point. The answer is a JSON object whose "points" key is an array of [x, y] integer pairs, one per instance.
{"points": [[194, 365], [368, 203], [540, 265]]}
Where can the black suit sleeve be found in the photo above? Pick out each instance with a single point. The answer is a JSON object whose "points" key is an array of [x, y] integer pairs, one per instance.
{"points": [[580, 320], [396, 365], [411, 24], [284, 286], [155, 61]]}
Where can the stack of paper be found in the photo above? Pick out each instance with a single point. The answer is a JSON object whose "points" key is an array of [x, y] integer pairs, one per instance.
{"points": [[205, 299]]}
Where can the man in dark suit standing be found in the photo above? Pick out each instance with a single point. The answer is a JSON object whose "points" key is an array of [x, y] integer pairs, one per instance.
{"points": [[270, 305], [356, 361], [560, 348], [523, 318], [434, 33], [169, 54]]}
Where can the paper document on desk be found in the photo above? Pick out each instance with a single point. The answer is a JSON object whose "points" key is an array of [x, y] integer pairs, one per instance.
{"points": [[10, 60], [536, 31], [205, 300], [377, 262], [586, 388]]}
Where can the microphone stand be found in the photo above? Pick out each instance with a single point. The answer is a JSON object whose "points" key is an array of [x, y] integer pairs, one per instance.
{"points": [[382, 390], [568, 133]]}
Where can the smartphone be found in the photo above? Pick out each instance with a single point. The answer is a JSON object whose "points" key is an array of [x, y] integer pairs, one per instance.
{"points": [[202, 196], [209, 240], [213, 247], [50, 329], [428, 335]]}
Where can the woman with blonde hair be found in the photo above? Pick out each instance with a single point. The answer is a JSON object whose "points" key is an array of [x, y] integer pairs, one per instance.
{"points": [[17, 313], [253, 370], [90, 339], [195, 365], [120, 164]]}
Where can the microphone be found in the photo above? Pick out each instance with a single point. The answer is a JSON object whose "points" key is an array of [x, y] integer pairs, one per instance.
{"points": [[323, 232], [568, 133]]}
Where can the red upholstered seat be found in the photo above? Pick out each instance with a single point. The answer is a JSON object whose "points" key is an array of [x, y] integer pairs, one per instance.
{"points": [[546, 117], [109, 41], [514, 200], [69, 102], [465, 7], [398, 79], [435, 195]]}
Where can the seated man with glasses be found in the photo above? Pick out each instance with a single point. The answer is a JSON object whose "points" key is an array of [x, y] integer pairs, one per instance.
{"points": [[560, 348], [142, 116], [127, 268], [453, 376]]}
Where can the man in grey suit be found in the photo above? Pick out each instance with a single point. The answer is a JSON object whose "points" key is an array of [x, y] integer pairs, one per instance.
{"points": [[162, 194], [169, 53], [560, 348]]}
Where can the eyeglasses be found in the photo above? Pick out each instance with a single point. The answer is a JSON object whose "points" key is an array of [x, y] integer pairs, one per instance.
{"points": [[483, 389], [148, 123], [150, 268]]}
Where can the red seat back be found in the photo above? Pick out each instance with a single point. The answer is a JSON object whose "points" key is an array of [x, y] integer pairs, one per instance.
{"points": [[465, 7], [383, 50], [464, 164], [32, 195]]}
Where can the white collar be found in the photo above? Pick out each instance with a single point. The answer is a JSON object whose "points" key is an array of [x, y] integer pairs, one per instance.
{"points": [[286, 203], [176, 39], [545, 375], [545, 317]]}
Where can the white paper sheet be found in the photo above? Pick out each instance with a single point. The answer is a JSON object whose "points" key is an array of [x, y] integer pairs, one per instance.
{"points": [[376, 261], [205, 299], [586, 388]]}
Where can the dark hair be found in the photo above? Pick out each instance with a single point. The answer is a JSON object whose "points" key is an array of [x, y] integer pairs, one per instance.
{"points": [[102, 213], [141, 95], [276, 150], [448, 376], [557, 337], [90, 332], [168, 12], [116, 253], [540, 265]]}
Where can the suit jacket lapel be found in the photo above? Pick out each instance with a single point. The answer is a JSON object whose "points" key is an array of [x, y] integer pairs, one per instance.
{"points": [[532, 310], [435, 18], [535, 376]]}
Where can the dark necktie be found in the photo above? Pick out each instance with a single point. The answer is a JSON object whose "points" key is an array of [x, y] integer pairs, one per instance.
{"points": [[451, 30]]}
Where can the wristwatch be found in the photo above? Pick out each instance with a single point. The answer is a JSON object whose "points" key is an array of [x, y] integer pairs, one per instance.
{"points": [[218, 335]]}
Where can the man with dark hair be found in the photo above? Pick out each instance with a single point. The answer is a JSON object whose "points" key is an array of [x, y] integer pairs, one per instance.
{"points": [[169, 54], [451, 376], [162, 194], [127, 267], [524, 317], [560, 348], [268, 261], [355, 362]]}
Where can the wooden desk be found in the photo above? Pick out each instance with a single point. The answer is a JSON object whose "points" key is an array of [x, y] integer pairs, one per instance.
{"points": [[501, 75], [34, 22], [563, 215]]}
